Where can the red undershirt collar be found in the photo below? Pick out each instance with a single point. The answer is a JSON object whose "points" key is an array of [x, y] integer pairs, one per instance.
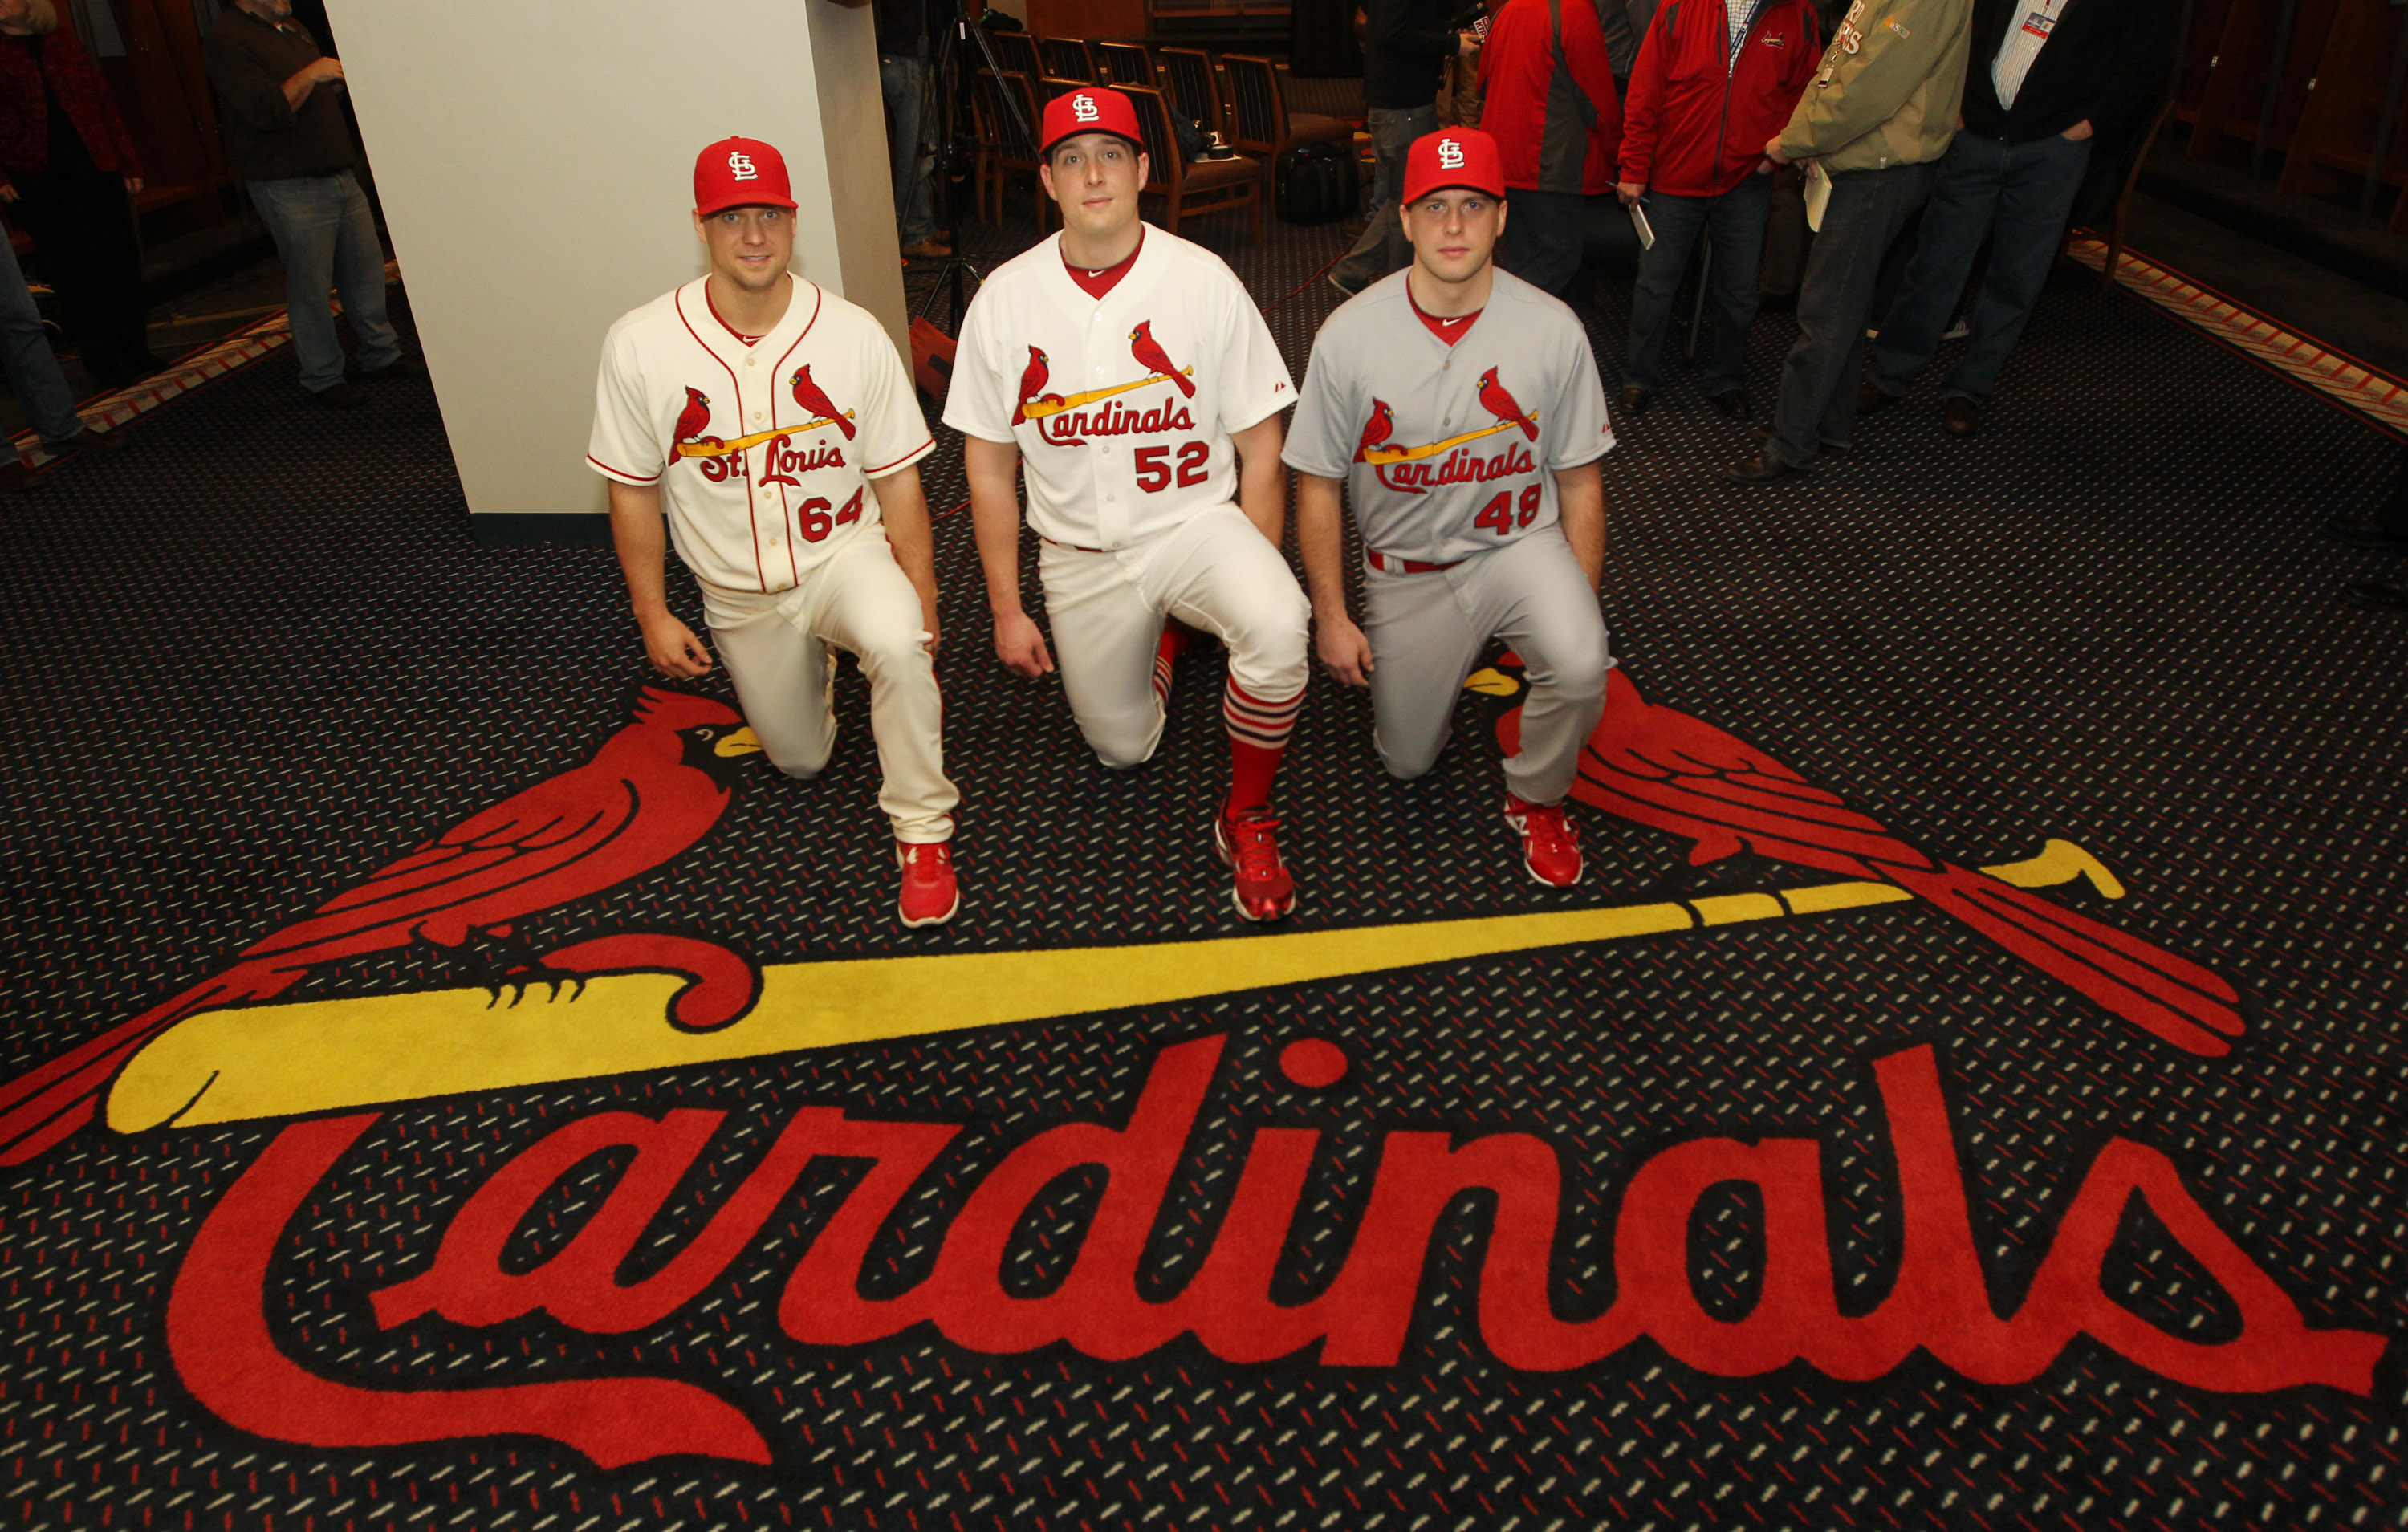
{"points": [[749, 340], [1095, 282], [1451, 329]]}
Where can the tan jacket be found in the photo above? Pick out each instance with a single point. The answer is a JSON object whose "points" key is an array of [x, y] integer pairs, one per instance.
{"points": [[1889, 88]]}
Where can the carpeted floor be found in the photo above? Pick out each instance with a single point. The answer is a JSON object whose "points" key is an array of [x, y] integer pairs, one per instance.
{"points": [[1774, 1207]]}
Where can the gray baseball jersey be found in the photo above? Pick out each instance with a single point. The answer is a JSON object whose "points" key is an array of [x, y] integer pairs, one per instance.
{"points": [[1449, 452]]}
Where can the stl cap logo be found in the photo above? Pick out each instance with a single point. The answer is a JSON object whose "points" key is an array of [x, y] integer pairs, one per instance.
{"points": [[742, 163], [1082, 108], [1450, 154]]}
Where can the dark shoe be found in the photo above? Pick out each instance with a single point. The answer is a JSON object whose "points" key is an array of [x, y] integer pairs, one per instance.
{"points": [[2377, 596], [1763, 468], [85, 440], [2366, 530], [930, 249], [1733, 403], [343, 395], [1822, 449], [1871, 398], [1634, 400], [1961, 417], [404, 366]]}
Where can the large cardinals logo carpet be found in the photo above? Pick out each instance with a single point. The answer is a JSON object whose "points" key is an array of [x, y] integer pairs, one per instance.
{"points": [[450, 1080]]}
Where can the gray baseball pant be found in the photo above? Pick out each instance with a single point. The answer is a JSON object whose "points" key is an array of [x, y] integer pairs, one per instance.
{"points": [[1426, 629]]}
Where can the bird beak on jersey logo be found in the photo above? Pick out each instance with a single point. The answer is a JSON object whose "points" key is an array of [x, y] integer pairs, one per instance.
{"points": [[742, 742], [1491, 682]]}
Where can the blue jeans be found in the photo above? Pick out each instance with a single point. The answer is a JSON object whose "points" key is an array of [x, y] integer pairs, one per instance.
{"points": [[1819, 376], [902, 80], [2018, 196], [326, 238], [1737, 218], [1383, 247], [34, 374]]}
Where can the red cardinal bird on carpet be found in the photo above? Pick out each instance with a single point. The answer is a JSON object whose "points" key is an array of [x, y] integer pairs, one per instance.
{"points": [[693, 419], [1665, 769], [1377, 429], [653, 790], [1152, 357], [1494, 399], [808, 394], [1032, 382]]}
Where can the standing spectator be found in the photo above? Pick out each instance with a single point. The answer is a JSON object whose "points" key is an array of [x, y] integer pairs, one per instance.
{"points": [[1876, 117], [35, 379], [1406, 50], [2031, 112], [285, 135], [1548, 100], [1709, 87], [903, 75], [67, 171]]}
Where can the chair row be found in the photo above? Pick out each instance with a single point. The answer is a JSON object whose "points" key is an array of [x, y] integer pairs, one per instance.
{"points": [[1185, 189], [1239, 96]]}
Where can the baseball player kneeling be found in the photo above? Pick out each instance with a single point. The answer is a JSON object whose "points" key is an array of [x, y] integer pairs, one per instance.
{"points": [[1130, 373], [1461, 407], [776, 424]]}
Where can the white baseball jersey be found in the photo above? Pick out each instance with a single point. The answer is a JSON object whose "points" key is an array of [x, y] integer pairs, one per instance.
{"points": [[763, 453], [1449, 451], [1122, 405]]}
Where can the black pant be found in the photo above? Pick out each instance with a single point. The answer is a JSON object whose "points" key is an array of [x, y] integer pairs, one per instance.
{"points": [[82, 225]]}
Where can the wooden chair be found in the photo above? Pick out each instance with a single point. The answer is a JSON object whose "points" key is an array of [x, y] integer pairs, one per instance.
{"points": [[1259, 120], [1001, 154], [1189, 85], [1066, 58], [2114, 230], [1017, 53], [1051, 86], [1186, 190], [1126, 64]]}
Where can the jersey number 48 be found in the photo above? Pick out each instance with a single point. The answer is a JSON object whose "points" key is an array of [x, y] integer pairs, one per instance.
{"points": [[1498, 514]]}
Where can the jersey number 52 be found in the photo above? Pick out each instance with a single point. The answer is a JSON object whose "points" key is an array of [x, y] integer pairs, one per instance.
{"points": [[1155, 474]]}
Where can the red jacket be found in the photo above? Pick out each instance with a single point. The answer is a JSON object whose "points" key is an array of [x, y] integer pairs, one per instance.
{"points": [[1541, 142], [25, 114], [1695, 127]]}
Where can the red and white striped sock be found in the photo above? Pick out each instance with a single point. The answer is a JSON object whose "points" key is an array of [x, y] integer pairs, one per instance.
{"points": [[1258, 731]]}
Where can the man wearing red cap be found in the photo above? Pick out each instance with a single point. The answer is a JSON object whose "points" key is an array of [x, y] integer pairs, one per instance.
{"points": [[1460, 409], [1131, 375], [774, 422]]}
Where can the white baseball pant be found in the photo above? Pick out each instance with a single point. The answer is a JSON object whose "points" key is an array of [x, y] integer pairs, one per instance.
{"points": [[1426, 629], [778, 650], [1215, 571]]}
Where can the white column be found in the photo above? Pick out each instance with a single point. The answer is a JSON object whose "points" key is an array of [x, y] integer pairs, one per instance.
{"points": [[534, 160]]}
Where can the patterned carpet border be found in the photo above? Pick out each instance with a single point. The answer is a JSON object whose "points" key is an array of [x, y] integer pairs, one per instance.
{"points": [[2335, 375]]}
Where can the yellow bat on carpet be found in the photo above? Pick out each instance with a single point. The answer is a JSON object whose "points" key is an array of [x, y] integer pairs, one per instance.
{"points": [[307, 1056]]}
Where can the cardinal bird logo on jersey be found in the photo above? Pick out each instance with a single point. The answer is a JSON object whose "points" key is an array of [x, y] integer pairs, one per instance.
{"points": [[808, 394], [653, 790], [1032, 387], [1150, 356], [1376, 430], [1671, 771], [1494, 399], [693, 420]]}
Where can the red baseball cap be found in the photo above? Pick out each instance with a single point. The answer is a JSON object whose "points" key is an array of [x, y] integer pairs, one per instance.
{"points": [[740, 173], [1464, 157], [1092, 108]]}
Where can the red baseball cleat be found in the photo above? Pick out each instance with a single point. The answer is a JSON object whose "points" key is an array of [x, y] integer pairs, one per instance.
{"points": [[1550, 841], [930, 896], [1263, 890]]}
